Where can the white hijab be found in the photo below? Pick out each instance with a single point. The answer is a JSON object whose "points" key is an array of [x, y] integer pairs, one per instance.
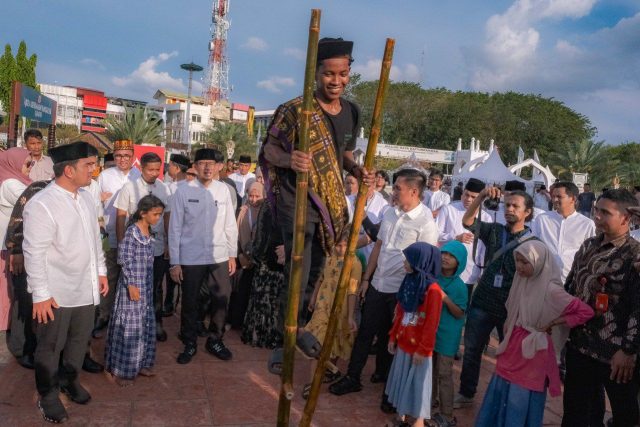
{"points": [[534, 301]]}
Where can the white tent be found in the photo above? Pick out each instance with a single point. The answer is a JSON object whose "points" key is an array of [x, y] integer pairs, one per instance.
{"points": [[492, 171]]}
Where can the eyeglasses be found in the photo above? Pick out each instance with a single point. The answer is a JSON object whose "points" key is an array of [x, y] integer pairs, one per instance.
{"points": [[122, 156]]}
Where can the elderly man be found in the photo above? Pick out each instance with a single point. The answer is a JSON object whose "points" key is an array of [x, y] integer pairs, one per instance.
{"points": [[409, 222], [41, 166], [111, 182], [66, 273]]}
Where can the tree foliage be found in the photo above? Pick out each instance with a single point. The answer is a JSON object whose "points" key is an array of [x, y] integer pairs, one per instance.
{"points": [[224, 135], [139, 124], [21, 68]]}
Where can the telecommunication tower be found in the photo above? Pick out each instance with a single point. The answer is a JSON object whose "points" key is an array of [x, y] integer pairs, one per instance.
{"points": [[216, 85]]}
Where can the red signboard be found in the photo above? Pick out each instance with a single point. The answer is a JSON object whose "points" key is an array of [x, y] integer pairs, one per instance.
{"points": [[139, 150]]}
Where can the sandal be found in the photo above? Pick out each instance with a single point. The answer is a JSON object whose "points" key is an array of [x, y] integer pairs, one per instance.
{"points": [[122, 382], [439, 420], [331, 376], [306, 390], [308, 345], [146, 372], [276, 361]]}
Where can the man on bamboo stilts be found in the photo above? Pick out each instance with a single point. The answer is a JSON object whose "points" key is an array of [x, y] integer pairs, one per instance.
{"points": [[332, 139]]}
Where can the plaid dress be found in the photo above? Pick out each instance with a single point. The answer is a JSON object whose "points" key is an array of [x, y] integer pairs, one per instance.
{"points": [[131, 339]]}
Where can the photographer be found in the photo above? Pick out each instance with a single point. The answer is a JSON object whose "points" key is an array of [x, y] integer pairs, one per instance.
{"points": [[487, 309]]}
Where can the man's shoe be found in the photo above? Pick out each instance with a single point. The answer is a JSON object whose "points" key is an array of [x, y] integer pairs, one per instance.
{"points": [[461, 401], [377, 378], [76, 392], [161, 334], [189, 351], [99, 329], [345, 385], [218, 349], [27, 361], [386, 406], [91, 366], [52, 410]]}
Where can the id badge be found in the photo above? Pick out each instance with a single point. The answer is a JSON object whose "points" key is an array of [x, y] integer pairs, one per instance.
{"points": [[497, 281], [602, 302]]}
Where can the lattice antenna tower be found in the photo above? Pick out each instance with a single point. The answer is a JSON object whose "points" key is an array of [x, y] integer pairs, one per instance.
{"points": [[216, 84]]}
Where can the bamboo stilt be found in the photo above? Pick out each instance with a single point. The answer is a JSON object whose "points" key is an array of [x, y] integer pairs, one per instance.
{"points": [[302, 182], [350, 256]]}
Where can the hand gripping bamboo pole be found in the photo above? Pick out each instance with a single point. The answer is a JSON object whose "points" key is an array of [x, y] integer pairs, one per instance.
{"points": [[302, 182], [350, 256]]}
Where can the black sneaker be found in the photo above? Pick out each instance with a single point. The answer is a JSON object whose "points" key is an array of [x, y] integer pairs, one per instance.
{"points": [[27, 361], [386, 406], [218, 349], [189, 351], [52, 410], [76, 393], [345, 385], [91, 366], [161, 334], [377, 378]]}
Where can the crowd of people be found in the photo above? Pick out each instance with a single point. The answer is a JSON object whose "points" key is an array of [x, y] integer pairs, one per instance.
{"points": [[553, 275]]}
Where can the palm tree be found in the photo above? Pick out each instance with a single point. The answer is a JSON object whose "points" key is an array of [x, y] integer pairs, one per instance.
{"points": [[231, 138], [584, 156], [141, 125]]}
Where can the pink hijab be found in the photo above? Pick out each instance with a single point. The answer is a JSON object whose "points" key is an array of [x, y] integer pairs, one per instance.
{"points": [[11, 162], [534, 301]]}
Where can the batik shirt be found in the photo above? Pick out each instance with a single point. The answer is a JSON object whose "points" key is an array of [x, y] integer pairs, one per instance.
{"points": [[607, 267]]}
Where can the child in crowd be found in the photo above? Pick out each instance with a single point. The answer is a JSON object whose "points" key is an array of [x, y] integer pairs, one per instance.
{"points": [[455, 300], [131, 340], [413, 334], [526, 363], [322, 301]]}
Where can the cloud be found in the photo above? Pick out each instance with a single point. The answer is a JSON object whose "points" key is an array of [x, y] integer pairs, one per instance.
{"points": [[90, 62], [370, 70], [147, 78], [275, 84], [295, 53], [255, 43]]}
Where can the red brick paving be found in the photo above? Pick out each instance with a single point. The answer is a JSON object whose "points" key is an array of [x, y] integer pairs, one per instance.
{"points": [[209, 392]]}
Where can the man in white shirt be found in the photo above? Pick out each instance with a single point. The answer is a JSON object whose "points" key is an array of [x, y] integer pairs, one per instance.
{"points": [[111, 181], [408, 222], [203, 244], [126, 205], [563, 230], [41, 165], [542, 198], [375, 207], [449, 222], [434, 198], [66, 274], [241, 177]]}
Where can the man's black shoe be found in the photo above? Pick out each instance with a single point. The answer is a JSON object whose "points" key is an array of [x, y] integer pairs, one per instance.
{"points": [[218, 349], [189, 351], [27, 361], [52, 410], [377, 378], [386, 406], [76, 392], [91, 366], [161, 334], [345, 385], [99, 329]]}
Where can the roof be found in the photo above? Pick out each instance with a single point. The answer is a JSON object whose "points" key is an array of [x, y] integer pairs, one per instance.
{"points": [[173, 94], [98, 140], [492, 171]]}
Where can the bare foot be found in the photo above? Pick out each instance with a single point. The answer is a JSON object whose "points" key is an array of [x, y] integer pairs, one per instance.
{"points": [[146, 372], [122, 382]]}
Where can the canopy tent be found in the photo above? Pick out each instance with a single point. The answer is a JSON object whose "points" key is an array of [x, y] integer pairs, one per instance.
{"points": [[491, 171]]}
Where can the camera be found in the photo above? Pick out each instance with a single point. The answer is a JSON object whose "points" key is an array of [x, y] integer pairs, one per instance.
{"points": [[492, 204]]}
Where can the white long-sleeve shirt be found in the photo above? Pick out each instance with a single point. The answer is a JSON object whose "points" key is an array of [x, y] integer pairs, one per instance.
{"points": [[375, 209], [449, 222], [111, 181], [241, 181], [10, 191], [435, 200], [202, 225], [563, 236], [397, 231], [62, 248]]}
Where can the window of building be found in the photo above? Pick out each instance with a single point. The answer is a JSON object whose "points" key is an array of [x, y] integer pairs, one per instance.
{"points": [[196, 118]]}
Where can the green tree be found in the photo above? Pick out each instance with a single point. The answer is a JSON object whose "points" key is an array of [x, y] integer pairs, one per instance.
{"points": [[26, 66], [8, 73], [224, 135], [66, 133], [139, 124], [585, 156]]}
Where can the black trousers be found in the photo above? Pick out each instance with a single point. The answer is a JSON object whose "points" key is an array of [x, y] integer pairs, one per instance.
{"points": [[240, 296], [68, 333], [160, 267], [313, 262], [583, 401], [215, 277], [22, 341], [377, 319]]}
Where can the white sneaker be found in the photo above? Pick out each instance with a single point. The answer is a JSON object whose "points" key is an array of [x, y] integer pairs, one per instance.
{"points": [[461, 401]]}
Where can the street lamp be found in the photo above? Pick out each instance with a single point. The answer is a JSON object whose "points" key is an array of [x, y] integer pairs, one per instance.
{"points": [[190, 68]]}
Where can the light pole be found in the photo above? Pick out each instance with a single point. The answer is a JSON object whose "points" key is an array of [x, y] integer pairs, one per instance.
{"points": [[190, 68]]}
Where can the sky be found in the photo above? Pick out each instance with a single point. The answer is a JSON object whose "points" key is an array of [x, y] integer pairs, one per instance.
{"points": [[585, 53]]}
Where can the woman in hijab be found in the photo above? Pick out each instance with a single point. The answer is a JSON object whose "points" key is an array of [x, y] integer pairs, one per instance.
{"points": [[526, 363], [413, 335], [15, 165], [247, 219]]}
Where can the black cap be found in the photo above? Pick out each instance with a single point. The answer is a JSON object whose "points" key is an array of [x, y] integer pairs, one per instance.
{"points": [[514, 185], [474, 185], [108, 157], [74, 151], [334, 48], [179, 159], [244, 159], [209, 154]]}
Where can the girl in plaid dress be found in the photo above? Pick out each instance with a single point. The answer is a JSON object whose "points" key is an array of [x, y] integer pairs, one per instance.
{"points": [[131, 340]]}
